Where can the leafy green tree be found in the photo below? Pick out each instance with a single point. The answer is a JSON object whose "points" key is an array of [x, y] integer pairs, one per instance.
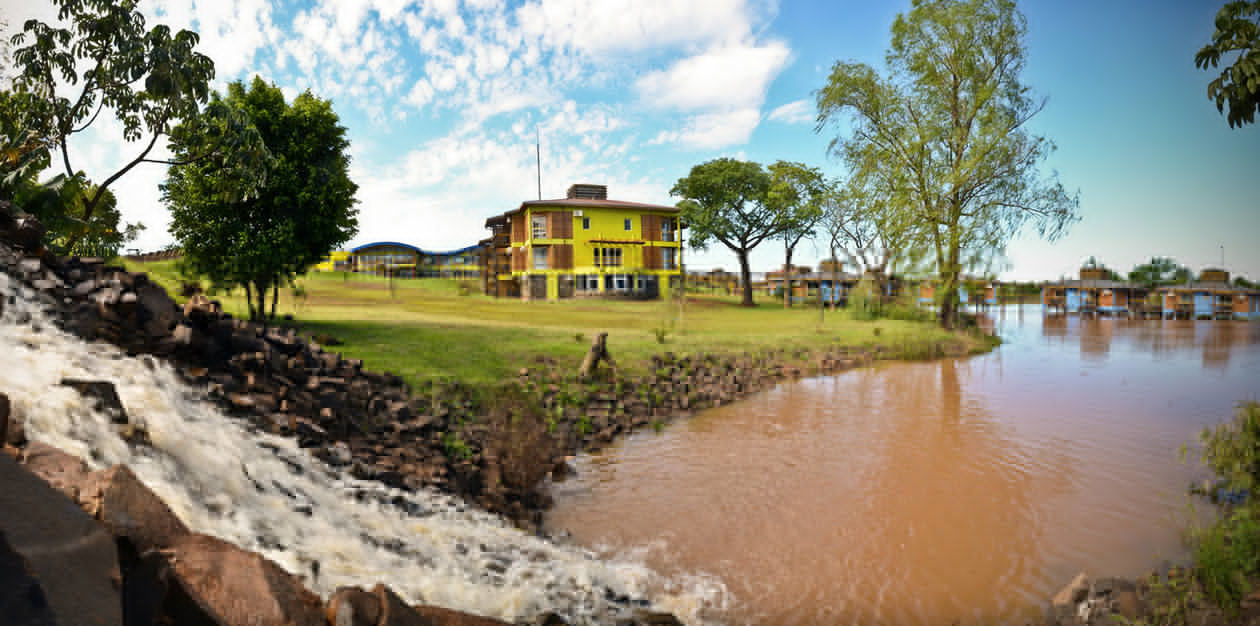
{"points": [[946, 129], [107, 59], [1237, 31], [796, 194], [1160, 271], [725, 200], [304, 209]]}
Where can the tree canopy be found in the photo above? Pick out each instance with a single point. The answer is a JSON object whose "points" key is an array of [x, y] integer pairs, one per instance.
{"points": [[796, 195], [106, 58], [724, 200], [303, 209], [1238, 85], [945, 131], [1160, 271]]}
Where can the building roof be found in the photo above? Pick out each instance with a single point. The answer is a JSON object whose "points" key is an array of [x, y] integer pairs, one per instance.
{"points": [[398, 244], [582, 203], [1095, 284]]}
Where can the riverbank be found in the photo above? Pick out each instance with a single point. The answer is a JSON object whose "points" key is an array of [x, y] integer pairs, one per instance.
{"points": [[491, 439]]}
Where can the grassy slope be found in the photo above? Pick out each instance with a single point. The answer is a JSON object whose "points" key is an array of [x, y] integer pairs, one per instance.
{"points": [[427, 330]]}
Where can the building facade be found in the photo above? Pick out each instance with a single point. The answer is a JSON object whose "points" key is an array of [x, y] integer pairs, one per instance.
{"points": [[583, 245], [405, 260]]}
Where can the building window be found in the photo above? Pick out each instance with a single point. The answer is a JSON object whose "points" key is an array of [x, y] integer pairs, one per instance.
{"points": [[608, 257], [627, 223], [588, 282], [667, 229], [586, 223], [539, 226], [669, 258], [540, 258], [620, 282]]}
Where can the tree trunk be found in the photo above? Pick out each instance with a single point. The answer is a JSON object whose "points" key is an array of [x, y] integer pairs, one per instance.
{"points": [[597, 353], [787, 279], [249, 300], [745, 278], [275, 295], [260, 290]]}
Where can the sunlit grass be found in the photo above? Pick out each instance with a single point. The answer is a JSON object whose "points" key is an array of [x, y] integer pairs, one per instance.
{"points": [[425, 329]]}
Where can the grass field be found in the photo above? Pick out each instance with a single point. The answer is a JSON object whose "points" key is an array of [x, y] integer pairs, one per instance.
{"points": [[426, 329]]}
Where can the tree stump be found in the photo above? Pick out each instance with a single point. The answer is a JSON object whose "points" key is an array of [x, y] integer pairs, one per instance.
{"points": [[597, 353]]}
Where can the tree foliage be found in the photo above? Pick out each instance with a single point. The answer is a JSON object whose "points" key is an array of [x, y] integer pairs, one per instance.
{"points": [[1160, 271], [945, 132], [796, 196], [106, 58], [304, 209], [724, 200], [1238, 85]]}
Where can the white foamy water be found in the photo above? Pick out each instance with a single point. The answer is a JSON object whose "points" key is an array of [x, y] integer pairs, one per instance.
{"points": [[265, 494]]}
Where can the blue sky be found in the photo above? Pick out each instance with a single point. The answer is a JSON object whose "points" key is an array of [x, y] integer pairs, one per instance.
{"points": [[443, 101]]}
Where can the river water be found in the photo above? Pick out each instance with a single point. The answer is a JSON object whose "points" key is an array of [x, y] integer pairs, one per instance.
{"points": [[956, 491]]}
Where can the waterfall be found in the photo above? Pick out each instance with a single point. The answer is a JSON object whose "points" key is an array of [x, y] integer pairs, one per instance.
{"points": [[265, 494]]}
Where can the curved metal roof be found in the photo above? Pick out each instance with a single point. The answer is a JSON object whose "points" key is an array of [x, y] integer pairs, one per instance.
{"points": [[397, 244]]}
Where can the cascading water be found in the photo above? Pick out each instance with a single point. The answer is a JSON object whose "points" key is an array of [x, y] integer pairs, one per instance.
{"points": [[265, 494]]}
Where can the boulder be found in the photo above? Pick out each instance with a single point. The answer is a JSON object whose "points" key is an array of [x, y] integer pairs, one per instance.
{"points": [[352, 606], [1074, 593], [71, 555], [63, 471], [5, 410], [129, 509], [236, 587], [103, 395], [396, 612], [22, 599]]}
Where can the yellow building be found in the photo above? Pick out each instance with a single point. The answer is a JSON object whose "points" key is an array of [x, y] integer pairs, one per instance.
{"points": [[584, 245]]}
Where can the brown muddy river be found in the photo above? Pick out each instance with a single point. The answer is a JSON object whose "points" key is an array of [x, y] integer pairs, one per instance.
{"points": [[957, 491]]}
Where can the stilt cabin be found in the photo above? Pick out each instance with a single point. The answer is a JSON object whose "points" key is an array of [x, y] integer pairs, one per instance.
{"points": [[1093, 294]]}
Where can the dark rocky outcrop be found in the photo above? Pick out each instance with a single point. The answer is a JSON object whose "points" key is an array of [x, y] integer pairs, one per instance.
{"points": [[69, 555]]}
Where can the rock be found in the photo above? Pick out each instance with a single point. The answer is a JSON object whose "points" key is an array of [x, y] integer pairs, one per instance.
{"points": [[129, 509], [5, 410], [352, 606], [236, 587], [71, 555], [396, 612], [63, 471], [651, 618], [1126, 604], [103, 394], [199, 305], [1073, 593], [22, 599]]}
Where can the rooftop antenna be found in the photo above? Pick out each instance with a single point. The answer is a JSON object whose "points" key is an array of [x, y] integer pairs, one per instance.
{"points": [[538, 157]]}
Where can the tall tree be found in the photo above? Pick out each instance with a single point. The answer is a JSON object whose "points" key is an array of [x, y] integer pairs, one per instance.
{"points": [[796, 194], [946, 126], [875, 238], [106, 59], [1238, 86], [725, 200], [304, 209]]}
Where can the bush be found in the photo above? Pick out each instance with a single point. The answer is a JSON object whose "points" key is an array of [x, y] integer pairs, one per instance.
{"points": [[1227, 553]]}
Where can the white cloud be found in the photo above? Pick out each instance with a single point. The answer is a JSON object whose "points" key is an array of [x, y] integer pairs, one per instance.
{"points": [[732, 77], [795, 112], [713, 130]]}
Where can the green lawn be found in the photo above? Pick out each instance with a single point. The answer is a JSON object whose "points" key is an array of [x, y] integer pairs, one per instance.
{"points": [[426, 330]]}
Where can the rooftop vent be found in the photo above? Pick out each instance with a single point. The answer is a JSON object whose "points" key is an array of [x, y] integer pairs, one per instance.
{"points": [[582, 191]]}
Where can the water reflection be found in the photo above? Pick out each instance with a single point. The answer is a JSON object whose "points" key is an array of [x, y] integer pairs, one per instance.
{"points": [[952, 491]]}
